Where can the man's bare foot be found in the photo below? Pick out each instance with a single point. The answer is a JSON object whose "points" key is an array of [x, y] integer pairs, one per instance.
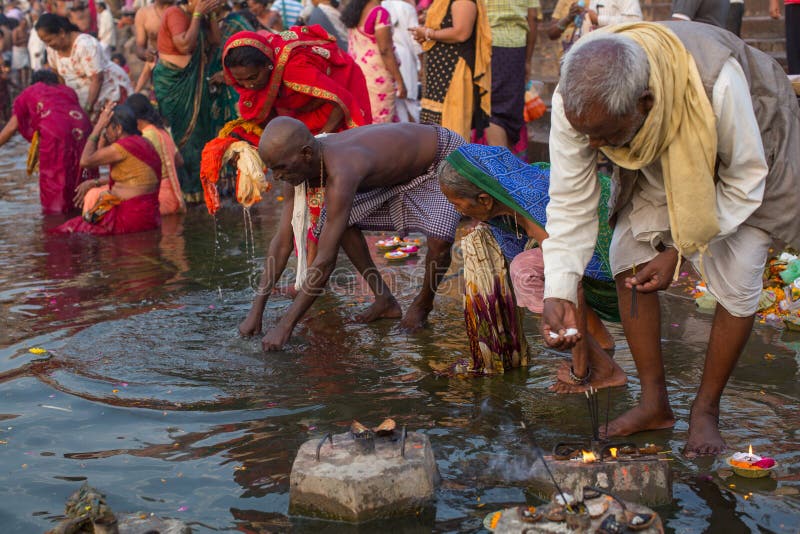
{"points": [[640, 418], [414, 319], [380, 309], [612, 377], [704, 436]]}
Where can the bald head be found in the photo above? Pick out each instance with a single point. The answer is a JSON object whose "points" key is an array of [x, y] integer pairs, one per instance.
{"points": [[289, 149], [610, 71], [282, 137]]}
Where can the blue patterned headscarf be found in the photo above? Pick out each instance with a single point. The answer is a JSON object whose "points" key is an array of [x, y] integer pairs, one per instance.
{"points": [[525, 189]]}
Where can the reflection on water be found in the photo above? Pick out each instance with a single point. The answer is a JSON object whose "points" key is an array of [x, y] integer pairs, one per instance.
{"points": [[147, 391]]}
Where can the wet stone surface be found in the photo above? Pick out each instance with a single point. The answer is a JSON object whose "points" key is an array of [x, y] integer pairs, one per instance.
{"points": [[348, 484]]}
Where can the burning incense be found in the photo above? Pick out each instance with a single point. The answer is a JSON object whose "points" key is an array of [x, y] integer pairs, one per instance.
{"points": [[608, 404], [594, 411], [552, 478]]}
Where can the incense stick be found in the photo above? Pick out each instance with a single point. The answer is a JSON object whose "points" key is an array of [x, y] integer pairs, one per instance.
{"points": [[633, 295], [541, 456], [608, 404]]}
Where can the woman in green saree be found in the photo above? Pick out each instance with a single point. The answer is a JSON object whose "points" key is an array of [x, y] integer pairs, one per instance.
{"points": [[180, 79]]}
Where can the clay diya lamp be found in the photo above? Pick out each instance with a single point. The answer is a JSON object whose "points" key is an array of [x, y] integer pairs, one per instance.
{"points": [[750, 465], [396, 255], [529, 514]]}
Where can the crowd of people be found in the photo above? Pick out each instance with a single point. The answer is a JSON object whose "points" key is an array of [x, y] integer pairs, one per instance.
{"points": [[403, 117]]}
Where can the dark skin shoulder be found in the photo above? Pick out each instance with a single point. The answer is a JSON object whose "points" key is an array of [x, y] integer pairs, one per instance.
{"points": [[356, 160]]}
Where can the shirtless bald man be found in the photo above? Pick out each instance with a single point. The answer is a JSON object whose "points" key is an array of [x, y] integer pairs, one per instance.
{"points": [[379, 177]]}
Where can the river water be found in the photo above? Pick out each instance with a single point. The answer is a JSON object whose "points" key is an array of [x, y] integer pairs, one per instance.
{"points": [[147, 392]]}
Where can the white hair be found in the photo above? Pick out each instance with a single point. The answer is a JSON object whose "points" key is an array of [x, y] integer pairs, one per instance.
{"points": [[608, 70]]}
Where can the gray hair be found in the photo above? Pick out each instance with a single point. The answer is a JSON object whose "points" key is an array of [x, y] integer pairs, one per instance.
{"points": [[450, 178], [608, 70]]}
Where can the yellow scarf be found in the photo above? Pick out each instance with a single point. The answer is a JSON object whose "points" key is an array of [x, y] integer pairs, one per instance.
{"points": [[680, 132], [481, 73]]}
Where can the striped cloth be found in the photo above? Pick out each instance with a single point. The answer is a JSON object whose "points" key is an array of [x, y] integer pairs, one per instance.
{"points": [[290, 11], [415, 206]]}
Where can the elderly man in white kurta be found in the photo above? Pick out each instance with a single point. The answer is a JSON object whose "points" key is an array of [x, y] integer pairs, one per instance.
{"points": [[705, 134]]}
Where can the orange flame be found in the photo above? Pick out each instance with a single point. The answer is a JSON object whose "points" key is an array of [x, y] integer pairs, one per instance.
{"points": [[750, 449], [588, 457], [613, 451]]}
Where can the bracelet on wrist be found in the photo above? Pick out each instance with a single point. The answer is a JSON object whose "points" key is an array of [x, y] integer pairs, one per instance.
{"points": [[96, 182], [197, 14], [94, 138]]}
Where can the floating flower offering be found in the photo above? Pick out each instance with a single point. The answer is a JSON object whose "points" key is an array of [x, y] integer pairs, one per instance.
{"points": [[389, 244], [411, 250], [751, 465], [396, 255]]}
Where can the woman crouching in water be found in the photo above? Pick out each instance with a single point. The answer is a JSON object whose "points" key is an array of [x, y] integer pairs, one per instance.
{"points": [[131, 202]]}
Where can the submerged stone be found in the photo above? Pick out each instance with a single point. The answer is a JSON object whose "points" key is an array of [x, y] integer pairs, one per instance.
{"points": [[351, 482]]}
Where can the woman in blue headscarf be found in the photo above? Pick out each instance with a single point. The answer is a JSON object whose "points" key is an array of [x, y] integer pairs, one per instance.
{"points": [[492, 185]]}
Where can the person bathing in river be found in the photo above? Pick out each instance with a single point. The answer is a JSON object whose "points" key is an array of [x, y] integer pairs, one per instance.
{"points": [[131, 203], [705, 132], [49, 115], [378, 177], [492, 185]]}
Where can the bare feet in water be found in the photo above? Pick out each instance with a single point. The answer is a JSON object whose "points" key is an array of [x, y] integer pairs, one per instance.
{"points": [[414, 319], [611, 376], [704, 436], [380, 309], [644, 416]]}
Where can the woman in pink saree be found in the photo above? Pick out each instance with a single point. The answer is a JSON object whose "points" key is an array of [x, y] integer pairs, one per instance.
{"points": [[170, 197], [49, 116]]}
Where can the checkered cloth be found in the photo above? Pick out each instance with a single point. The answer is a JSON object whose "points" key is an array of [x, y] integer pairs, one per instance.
{"points": [[415, 206]]}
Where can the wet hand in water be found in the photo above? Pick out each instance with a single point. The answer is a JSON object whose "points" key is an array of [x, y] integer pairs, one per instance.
{"points": [[559, 324], [275, 339], [250, 326], [656, 274]]}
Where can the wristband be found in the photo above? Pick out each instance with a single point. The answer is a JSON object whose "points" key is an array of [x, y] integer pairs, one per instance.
{"points": [[96, 182], [197, 14], [94, 138]]}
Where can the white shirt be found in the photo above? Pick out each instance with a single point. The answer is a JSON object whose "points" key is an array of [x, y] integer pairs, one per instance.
{"points": [[105, 29], [616, 11], [575, 192]]}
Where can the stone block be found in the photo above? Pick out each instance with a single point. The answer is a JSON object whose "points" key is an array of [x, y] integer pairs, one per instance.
{"points": [[646, 480], [348, 485]]}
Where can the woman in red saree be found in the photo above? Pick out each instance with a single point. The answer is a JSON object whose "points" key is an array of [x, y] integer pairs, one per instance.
{"points": [[49, 116], [300, 73], [131, 203]]}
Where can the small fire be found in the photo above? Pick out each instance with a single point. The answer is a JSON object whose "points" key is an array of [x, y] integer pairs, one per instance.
{"points": [[588, 457], [750, 449], [613, 451]]}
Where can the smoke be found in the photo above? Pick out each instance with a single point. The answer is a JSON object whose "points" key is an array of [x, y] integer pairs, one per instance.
{"points": [[519, 468]]}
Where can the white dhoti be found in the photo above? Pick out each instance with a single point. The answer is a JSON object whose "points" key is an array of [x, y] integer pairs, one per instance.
{"points": [[733, 266]]}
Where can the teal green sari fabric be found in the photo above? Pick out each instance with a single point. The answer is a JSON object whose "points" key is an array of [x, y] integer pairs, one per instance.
{"points": [[184, 101]]}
